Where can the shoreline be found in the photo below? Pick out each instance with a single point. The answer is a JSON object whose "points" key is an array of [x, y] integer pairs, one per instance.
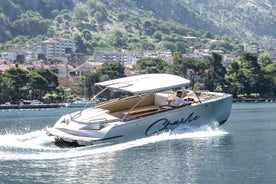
{"points": [[28, 106], [254, 100], [58, 105]]}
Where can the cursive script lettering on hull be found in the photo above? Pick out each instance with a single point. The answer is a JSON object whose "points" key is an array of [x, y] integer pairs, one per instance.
{"points": [[164, 124]]}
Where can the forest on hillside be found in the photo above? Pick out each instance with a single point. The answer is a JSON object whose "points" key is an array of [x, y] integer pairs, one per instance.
{"points": [[135, 24]]}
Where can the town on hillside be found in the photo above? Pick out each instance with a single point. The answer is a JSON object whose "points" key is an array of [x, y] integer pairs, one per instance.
{"points": [[59, 55]]}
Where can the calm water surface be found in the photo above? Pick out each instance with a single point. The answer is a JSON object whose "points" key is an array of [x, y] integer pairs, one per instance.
{"points": [[243, 150]]}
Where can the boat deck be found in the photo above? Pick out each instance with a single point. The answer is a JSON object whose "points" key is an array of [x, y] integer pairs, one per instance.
{"points": [[147, 104], [139, 112]]}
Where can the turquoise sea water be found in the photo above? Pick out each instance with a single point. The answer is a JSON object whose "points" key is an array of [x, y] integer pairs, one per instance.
{"points": [[243, 150]]}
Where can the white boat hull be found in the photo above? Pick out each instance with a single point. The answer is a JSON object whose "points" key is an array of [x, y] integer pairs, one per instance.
{"points": [[213, 114], [70, 132]]}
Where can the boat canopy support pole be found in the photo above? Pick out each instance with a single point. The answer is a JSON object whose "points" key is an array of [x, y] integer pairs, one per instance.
{"points": [[94, 97], [197, 96], [142, 99], [98, 94]]}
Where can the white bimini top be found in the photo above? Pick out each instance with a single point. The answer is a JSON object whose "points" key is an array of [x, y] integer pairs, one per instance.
{"points": [[146, 83]]}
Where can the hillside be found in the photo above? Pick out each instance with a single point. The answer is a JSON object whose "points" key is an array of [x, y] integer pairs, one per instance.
{"points": [[253, 20], [134, 24]]}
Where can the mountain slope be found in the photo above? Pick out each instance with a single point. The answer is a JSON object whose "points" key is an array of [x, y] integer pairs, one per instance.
{"points": [[243, 19], [122, 23]]}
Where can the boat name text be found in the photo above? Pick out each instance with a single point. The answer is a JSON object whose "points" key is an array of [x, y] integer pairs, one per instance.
{"points": [[166, 123]]}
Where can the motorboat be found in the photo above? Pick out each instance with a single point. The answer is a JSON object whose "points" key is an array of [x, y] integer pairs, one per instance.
{"points": [[144, 113]]}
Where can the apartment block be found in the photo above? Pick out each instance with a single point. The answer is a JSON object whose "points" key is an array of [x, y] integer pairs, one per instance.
{"points": [[56, 48], [131, 57]]}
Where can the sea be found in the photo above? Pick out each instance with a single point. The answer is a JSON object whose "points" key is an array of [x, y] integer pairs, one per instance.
{"points": [[243, 150]]}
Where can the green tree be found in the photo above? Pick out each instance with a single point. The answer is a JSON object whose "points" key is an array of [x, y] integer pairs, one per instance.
{"points": [[50, 76], [42, 81], [268, 69], [225, 46], [187, 67], [157, 35], [208, 35], [264, 60], [106, 72], [81, 14], [31, 24], [99, 16], [180, 65], [169, 45], [246, 76], [148, 27], [86, 34], [254, 79], [91, 78], [6, 86], [37, 86], [270, 74], [112, 70], [215, 73], [91, 4], [181, 47], [233, 77], [119, 41], [80, 45], [14, 84], [151, 65], [59, 95]]}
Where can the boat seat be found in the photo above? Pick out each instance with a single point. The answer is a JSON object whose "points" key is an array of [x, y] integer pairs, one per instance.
{"points": [[143, 109], [161, 99]]}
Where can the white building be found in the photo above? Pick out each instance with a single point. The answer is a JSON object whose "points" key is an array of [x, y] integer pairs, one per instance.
{"points": [[110, 57], [252, 48], [9, 55], [192, 41], [131, 57], [14, 54], [56, 48]]}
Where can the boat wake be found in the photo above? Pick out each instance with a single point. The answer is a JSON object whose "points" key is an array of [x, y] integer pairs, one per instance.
{"points": [[37, 145]]}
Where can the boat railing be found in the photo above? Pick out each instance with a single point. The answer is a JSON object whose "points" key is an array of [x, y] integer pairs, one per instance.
{"points": [[99, 120], [97, 124], [91, 100], [210, 96]]}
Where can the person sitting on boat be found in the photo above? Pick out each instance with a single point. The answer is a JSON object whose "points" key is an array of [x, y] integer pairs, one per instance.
{"points": [[178, 100]]}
